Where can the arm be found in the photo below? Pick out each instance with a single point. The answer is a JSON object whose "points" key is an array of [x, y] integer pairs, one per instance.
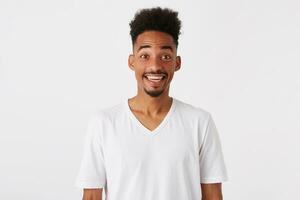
{"points": [[92, 194], [211, 191]]}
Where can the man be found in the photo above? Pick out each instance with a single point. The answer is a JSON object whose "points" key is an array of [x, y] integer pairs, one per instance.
{"points": [[152, 146]]}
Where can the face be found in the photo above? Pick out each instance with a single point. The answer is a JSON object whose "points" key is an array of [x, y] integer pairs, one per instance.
{"points": [[154, 61]]}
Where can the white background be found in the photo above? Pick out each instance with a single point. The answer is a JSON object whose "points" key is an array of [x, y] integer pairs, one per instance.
{"points": [[61, 60]]}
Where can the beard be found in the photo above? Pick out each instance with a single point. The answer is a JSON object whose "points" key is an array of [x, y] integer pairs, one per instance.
{"points": [[154, 93]]}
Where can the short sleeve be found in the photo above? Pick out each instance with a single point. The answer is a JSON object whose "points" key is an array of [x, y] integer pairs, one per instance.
{"points": [[211, 160], [92, 169]]}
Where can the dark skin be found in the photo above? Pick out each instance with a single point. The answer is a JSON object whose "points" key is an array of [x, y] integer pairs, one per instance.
{"points": [[154, 52], [92, 194], [212, 191]]}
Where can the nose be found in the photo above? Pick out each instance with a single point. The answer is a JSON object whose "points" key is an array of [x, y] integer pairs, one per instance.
{"points": [[155, 64]]}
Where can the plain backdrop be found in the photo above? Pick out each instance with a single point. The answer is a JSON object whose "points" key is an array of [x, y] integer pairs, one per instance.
{"points": [[62, 60]]}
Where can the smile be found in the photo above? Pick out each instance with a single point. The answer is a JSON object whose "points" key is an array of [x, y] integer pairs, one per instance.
{"points": [[155, 77]]}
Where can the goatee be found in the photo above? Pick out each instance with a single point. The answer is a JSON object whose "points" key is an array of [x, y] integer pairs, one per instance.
{"points": [[154, 93]]}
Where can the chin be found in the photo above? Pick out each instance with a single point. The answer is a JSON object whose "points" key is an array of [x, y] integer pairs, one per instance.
{"points": [[154, 93]]}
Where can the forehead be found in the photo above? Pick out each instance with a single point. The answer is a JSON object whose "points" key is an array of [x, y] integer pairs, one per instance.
{"points": [[154, 39]]}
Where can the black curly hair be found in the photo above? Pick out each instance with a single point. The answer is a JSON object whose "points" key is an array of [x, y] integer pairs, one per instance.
{"points": [[155, 19]]}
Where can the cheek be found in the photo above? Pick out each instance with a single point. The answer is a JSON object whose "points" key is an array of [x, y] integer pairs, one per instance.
{"points": [[139, 74], [170, 75]]}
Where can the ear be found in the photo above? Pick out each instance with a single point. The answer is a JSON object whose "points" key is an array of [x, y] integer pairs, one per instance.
{"points": [[178, 63], [131, 61]]}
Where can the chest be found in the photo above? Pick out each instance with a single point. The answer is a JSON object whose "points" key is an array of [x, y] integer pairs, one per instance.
{"points": [[150, 123], [134, 149]]}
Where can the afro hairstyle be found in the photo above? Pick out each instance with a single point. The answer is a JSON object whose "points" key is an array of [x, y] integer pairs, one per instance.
{"points": [[155, 19]]}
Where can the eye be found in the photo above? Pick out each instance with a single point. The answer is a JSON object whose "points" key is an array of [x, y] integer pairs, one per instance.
{"points": [[166, 57], [144, 56]]}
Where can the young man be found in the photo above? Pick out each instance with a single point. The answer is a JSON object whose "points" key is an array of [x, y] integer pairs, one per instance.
{"points": [[152, 146]]}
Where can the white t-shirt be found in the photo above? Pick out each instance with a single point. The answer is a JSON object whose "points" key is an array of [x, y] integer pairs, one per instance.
{"points": [[169, 163]]}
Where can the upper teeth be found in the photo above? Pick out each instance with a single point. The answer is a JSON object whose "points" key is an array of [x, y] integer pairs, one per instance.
{"points": [[155, 77]]}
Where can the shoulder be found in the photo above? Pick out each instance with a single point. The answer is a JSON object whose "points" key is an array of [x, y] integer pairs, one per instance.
{"points": [[192, 111], [108, 113], [102, 120], [193, 116]]}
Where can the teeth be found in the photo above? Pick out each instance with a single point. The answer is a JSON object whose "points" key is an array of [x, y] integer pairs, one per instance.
{"points": [[155, 77]]}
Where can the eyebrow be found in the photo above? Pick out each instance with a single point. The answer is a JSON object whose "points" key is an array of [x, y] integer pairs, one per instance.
{"points": [[162, 47], [167, 47], [143, 47]]}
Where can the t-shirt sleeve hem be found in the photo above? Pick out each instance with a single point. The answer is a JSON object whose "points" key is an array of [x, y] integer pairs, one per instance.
{"points": [[214, 180], [89, 184]]}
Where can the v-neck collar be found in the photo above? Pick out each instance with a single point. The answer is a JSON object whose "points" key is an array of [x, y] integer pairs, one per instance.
{"points": [[159, 127]]}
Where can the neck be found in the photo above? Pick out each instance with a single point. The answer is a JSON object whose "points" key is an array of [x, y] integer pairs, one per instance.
{"points": [[148, 105]]}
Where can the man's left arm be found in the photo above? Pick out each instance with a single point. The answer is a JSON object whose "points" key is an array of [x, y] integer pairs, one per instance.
{"points": [[211, 191], [212, 166]]}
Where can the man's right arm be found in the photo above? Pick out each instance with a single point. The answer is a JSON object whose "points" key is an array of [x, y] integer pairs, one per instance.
{"points": [[92, 194]]}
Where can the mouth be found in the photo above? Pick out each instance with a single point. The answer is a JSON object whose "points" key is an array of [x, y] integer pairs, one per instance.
{"points": [[155, 78]]}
